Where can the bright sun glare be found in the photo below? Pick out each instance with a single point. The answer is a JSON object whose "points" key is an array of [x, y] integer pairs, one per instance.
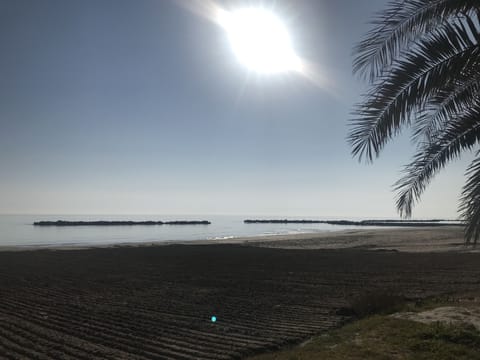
{"points": [[259, 40]]}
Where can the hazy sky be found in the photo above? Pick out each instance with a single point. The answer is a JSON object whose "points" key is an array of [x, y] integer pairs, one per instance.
{"points": [[140, 106]]}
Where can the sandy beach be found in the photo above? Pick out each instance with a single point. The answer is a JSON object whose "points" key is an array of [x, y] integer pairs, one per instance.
{"points": [[415, 239], [151, 302], [421, 239]]}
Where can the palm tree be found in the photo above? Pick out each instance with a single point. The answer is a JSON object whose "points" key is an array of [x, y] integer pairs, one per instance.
{"points": [[422, 62]]}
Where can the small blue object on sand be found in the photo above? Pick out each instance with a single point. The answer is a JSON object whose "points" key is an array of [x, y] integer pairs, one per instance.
{"points": [[214, 318]]}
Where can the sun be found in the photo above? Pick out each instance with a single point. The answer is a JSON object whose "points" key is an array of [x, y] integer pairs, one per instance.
{"points": [[259, 40]]}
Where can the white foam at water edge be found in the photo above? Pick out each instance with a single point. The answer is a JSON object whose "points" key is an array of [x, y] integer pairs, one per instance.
{"points": [[221, 237]]}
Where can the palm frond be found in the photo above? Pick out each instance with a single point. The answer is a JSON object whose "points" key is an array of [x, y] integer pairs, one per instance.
{"points": [[470, 202], [402, 23], [438, 60], [460, 134], [422, 59], [447, 103]]}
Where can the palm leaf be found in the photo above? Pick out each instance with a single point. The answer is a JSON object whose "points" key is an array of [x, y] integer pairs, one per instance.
{"points": [[461, 134], [400, 25], [422, 59], [470, 202], [439, 60], [448, 102]]}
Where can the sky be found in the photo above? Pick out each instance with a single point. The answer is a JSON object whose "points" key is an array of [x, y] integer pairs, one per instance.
{"points": [[141, 107]]}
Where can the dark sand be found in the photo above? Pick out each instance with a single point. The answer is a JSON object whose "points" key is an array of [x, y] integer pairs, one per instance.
{"points": [[155, 302]]}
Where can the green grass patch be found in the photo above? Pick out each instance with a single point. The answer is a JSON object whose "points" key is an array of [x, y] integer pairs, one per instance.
{"points": [[382, 337]]}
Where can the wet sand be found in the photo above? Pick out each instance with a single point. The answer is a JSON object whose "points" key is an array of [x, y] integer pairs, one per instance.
{"points": [[411, 239], [156, 302], [431, 239]]}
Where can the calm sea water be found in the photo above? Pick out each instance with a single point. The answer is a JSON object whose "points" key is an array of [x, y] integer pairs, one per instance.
{"points": [[17, 230]]}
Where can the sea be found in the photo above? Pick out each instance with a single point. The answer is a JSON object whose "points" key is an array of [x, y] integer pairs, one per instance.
{"points": [[18, 230]]}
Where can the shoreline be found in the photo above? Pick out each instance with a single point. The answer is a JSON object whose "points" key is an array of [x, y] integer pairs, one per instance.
{"points": [[403, 239]]}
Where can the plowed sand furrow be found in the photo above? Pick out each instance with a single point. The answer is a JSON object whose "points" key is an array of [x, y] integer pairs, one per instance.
{"points": [[106, 336], [109, 321], [7, 354], [42, 330], [156, 302], [163, 342], [15, 345], [40, 343], [231, 321], [88, 339]]}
